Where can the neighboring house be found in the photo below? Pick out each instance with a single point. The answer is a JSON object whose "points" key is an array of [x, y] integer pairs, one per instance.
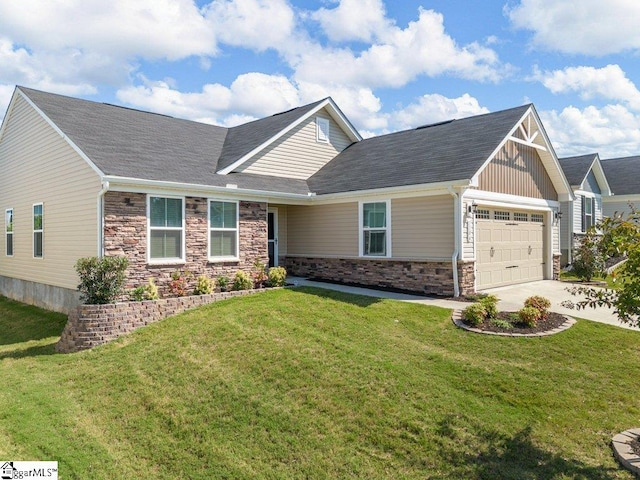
{"points": [[449, 208], [590, 187], [623, 175]]}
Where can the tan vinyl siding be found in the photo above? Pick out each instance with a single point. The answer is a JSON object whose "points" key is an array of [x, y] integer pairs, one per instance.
{"points": [[422, 227], [318, 230], [38, 166], [298, 154], [517, 170]]}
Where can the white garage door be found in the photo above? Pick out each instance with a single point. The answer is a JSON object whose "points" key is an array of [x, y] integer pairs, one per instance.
{"points": [[510, 247]]}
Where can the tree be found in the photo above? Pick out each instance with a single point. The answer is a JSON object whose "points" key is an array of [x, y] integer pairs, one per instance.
{"points": [[589, 259], [620, 237]]}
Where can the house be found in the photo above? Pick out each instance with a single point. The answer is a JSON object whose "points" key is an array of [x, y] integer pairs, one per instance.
{"points": [[623, 177], [449, 208], [590, 186]]}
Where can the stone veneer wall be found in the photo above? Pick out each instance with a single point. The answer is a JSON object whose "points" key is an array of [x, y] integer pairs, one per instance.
{"points": [[556, 266], [432, 278], [125, 233], [91, 325]]}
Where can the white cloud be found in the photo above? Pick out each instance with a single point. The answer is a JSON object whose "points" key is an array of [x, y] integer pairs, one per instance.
{"points": [[609, 82], [590, 27], [250, 96], [152, 29], [360, 20], [612, 131], [401, 55], [256, 24], [433, 108], [55, 74]]}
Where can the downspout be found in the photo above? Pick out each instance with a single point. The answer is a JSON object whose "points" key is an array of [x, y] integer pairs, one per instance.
{"points": [[100, 206], [569, 234], [456, 234]]}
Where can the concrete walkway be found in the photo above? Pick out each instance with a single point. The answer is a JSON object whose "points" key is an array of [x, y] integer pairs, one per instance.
{"points": [[511, 298]]}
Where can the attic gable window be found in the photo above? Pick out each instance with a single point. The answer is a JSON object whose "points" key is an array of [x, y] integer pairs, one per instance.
{"points": [[322, 130], [166, 229]]}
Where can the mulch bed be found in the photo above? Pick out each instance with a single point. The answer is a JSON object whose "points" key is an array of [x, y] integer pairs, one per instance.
{"points": [[552, 321]]}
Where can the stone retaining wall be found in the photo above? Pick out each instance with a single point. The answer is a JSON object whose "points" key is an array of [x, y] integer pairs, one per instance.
{"points": [[425, 277], [91, 325]]}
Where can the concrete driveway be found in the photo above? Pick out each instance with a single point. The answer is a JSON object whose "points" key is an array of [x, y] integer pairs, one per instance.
{"points": [[511, 298]]}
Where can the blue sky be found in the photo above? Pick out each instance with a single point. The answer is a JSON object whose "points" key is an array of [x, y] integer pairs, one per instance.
{"points": [[390, 65]]}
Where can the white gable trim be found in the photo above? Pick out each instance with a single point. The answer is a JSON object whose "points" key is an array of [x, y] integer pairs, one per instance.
{"points": [[59, 132], [335, 113], [601, 178], [559, 180]]}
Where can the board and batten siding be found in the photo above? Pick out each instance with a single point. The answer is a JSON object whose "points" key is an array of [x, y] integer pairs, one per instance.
{"points": [[422, 227], [38, 166], [517, 170], [323, 230], [298, 154]]}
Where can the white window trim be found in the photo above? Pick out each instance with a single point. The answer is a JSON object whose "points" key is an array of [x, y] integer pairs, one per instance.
{"points": [[172, 260], [583, 200], [361, 228], [320, 122], [6, 234], [34, 231], [209, 230]]}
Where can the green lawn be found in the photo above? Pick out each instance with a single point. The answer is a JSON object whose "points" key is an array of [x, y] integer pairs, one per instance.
{"points": [[308, 383]]}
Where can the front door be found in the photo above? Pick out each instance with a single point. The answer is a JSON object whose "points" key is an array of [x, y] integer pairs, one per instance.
{"points": [[272, 221]]}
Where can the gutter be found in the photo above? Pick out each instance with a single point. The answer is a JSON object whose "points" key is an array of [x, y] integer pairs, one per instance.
{"points": [[100, 207], [456, 234]]}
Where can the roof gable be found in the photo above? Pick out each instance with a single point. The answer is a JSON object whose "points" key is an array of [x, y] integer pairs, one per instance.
{"points": [[247, 140], [529, 132], [578, 168]]}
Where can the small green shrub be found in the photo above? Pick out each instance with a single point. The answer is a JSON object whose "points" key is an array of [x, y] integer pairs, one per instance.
{"points": [[277, 276], [101, 279], [204, 285], [474, 314], [490, 304], [223, 283], [179, 283], [529, 316], [145, 292], [541, 304], [501, 323], [259, 274], [589, 261], [242, 281]]}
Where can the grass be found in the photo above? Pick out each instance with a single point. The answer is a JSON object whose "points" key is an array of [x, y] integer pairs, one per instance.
{"points": [[308, 383]]}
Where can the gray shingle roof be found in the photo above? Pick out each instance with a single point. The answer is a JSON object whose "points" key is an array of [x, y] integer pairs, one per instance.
{"points": [[443, 152], [623, 174], [577, 168], [131, 143]]}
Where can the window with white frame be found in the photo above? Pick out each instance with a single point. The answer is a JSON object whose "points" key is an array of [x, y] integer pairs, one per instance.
{"points": [[166, 229], [375, 229], [223, 230], [8, 229], [537, 218], [588, 212], [38, 230], [322, 130]]}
